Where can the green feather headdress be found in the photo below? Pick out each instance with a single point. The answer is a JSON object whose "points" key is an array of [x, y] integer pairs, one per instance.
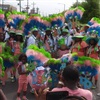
{"points": [[53, 61], [42, 50], [93, 61], [61, 41]]}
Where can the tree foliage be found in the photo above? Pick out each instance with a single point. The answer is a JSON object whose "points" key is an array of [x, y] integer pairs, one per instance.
{"points": [[92, 9]]}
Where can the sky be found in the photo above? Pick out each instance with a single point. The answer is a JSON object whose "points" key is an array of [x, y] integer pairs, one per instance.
{"points": [[45, 6]]}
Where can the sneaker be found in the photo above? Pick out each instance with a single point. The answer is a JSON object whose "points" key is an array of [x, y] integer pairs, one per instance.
{"points": [[24, 98], [12, 80], [11, 77], [18, 98], [94, 87]]}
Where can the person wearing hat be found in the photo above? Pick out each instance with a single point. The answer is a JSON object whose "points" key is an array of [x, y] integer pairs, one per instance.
{"points": [[49, 41], [62, 48], [68, 38], [93, 49], [84, 29], [33, 37], [19, 36], [18, 43], [12, 33], [79, 46]]}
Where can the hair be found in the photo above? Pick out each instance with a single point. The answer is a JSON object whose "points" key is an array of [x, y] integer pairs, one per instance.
{"points": [[12, 35], [71, 74], [45, 38], [95, 43], [22, 56], [21, 39]]}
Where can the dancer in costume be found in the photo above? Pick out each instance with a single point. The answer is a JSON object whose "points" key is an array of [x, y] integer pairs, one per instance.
{"points": [[33, 37], [18, 45], [49, 41], [88, 68], [68, 39], [10, 44], [93, 49], [55, 37], [17, 50], [63, 49], [2, 46], [22, 80], [79, 46]]}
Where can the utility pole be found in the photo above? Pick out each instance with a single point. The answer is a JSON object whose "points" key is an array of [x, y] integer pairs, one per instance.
{"points": [[77, 3], [2, 4], [27, 5], [20, 4], [63, 5]]}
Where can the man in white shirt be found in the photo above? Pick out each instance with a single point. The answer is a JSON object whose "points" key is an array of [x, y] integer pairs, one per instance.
{"points": [[32, 38], [67, 36]]}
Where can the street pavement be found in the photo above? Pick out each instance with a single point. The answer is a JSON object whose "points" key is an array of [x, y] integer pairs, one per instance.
{"points": [[10, 90]]}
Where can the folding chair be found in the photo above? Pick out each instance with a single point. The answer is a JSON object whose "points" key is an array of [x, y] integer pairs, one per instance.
{"points": [[56, 95]]}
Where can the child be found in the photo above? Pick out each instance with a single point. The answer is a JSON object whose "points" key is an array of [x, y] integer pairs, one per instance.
{"points": [[22, 81]]}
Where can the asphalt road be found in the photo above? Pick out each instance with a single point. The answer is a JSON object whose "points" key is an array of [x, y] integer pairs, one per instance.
{"points": [[10, 90]]}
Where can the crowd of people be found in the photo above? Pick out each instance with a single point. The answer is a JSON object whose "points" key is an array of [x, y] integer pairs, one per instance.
{"points": [[62, 58], [58, 42]]}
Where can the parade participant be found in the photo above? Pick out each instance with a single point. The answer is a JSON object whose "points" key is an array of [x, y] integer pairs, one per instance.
{"points": [[33, 37], [55, 37], [71, 78], [18, 44], [49, 41], [88, 68], [63, 49], [68, 39], [12, 32], [2, 46], [22, 81], [84, 29], [10, 42], [79, 45], [40, 39], [16, 50], [93, 49]]}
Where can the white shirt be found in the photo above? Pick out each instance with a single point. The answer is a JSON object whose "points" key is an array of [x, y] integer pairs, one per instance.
{"points": [[31, 40], [6, 36], [68, 40]]}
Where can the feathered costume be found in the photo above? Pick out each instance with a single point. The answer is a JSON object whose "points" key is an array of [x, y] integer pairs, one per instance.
{"points": [[87, 70]]}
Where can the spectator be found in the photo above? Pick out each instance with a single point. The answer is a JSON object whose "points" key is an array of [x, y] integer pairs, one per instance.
{"points": [[71, 79]]}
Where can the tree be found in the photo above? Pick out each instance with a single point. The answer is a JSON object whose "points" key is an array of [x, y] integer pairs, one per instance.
{"points": [[91, 9]]}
